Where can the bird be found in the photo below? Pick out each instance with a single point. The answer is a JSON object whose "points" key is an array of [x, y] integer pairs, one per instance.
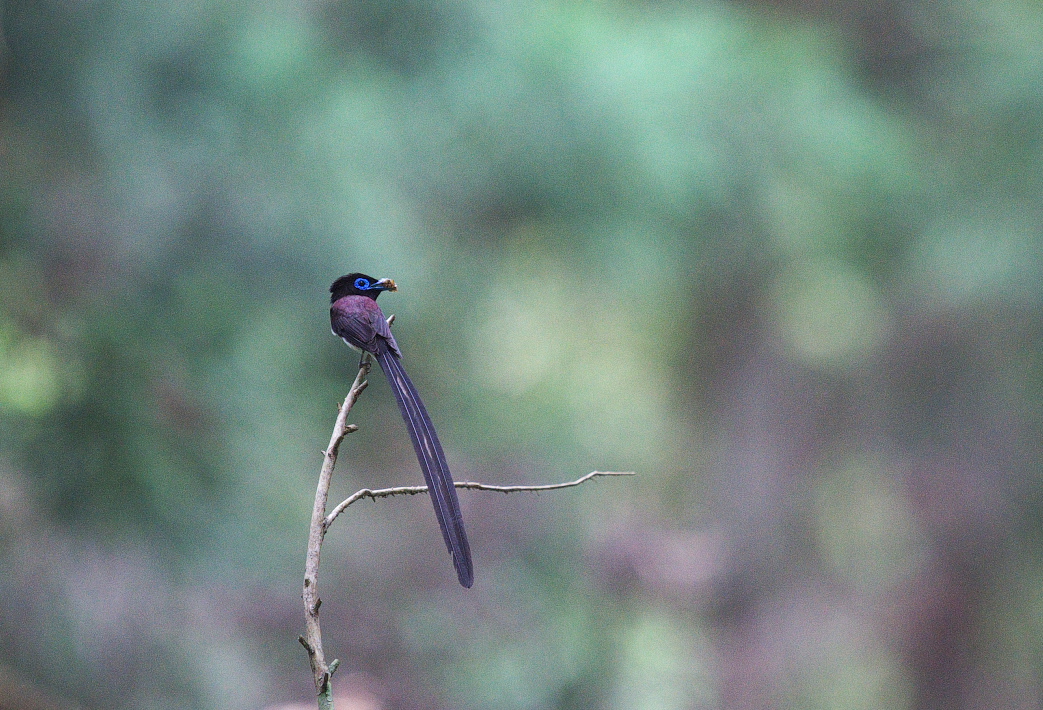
{"points": [[356, 318]]}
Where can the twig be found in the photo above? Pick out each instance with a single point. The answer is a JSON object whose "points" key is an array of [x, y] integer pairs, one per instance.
{"points": [[470, 485], [312, 638]]}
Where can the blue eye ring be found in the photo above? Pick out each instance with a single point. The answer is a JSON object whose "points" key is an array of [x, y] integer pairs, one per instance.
{"points": [[362, 284]]}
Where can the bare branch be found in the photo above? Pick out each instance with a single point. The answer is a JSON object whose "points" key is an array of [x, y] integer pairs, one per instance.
{"points": [[312, 638], [470, 485]]}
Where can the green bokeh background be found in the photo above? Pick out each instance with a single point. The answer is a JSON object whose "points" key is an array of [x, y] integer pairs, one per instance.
{"points": [[782, 260]]}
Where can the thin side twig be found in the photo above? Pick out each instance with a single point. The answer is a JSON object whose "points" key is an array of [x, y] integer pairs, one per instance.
{"points": [[470, 485]]}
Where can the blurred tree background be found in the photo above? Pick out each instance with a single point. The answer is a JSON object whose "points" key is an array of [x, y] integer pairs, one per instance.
{"points": [[781, 259]]}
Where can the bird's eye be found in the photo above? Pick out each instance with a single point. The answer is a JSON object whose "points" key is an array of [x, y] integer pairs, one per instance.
{"points": [[362, 284]]}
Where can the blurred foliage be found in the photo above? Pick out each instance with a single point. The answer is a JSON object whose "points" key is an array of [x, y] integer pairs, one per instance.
{"points": [[782, 260]]}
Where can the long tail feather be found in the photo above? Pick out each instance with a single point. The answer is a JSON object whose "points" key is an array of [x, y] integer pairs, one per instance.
{"points": [[432, 462]]}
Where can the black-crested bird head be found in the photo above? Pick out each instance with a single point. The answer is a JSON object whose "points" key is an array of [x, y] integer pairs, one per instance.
{"points": [[360, 285]]}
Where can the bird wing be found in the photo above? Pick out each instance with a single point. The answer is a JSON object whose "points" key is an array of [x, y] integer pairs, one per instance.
{"points": [[360, 322]]}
